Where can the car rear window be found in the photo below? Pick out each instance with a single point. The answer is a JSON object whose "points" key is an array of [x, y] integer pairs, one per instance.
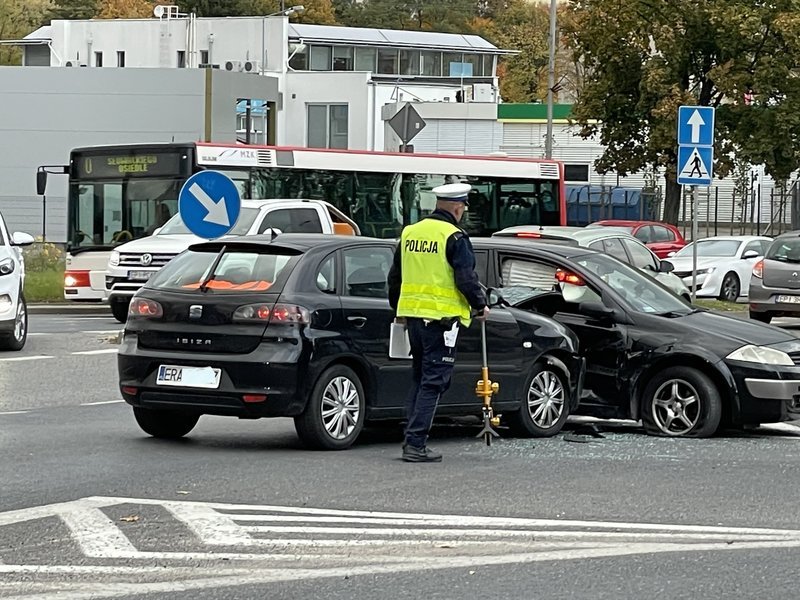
{"points": [[238, 271], [786, 250]]}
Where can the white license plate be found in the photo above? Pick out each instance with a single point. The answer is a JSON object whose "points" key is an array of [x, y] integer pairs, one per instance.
{"points": [[789, 299], [199, 377], [140, 275]]}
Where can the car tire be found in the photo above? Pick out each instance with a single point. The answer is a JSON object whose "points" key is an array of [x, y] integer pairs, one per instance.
{"points": [[165, 424], [120, 310], [730, 289], [761, 317], [339, 393], [545, 404], [664, 401], [15, 341]]}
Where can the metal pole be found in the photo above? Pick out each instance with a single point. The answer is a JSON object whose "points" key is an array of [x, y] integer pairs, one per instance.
{"points": [[263, 43], [694, 243], [405, 128], [248, 120], [44, 217], [551, 81]]}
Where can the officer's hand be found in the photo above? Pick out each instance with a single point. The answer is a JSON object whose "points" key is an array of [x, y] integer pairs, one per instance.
{"points": [[484, 315]]}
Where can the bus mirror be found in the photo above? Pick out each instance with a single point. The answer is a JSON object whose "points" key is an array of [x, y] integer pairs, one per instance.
{"points": [[41, 182]]}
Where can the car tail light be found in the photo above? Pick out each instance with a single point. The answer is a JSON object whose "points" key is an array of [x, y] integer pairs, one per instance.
{"points": [[254, 398], [528, 234], [567, 277], [131, 391], [148, 309], [279, 313], [76, 279], [758, 269]]}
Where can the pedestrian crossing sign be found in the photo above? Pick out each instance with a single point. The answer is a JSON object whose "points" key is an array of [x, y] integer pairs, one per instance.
{"points": [[695, 165]]}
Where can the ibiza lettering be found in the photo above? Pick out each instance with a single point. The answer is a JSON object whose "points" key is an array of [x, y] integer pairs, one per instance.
{"points": [[428, 246]]}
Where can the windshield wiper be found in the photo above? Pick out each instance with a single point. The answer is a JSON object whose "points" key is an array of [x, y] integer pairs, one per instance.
{"points": [[211, 271], [674, 314]]}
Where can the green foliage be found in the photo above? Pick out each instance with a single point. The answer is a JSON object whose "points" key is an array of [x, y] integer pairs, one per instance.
{"points": [[43, 256], [434, 15], [17, 19], [645, 58], [74, 9], [44, 286]]}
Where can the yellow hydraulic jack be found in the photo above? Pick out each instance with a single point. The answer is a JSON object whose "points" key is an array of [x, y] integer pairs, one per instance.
{"points": [[485, 389]]}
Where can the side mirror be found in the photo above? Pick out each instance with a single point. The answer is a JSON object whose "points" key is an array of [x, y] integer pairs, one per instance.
{"points": [[593, 310], [666, 267], [41, 182], [495, 298], [750, 254], [21, 239]]}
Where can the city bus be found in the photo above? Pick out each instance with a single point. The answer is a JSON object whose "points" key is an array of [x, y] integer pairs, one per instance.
{"points": [[120, 193]]}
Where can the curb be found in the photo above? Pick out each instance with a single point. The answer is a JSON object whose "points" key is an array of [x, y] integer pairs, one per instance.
{"points": [[69, 309]]}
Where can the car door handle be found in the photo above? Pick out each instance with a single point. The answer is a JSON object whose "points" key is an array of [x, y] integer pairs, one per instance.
{"points": [[358, 321]]}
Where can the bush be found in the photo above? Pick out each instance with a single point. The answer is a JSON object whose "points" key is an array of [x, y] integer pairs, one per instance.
{"points": [[43, 256]]}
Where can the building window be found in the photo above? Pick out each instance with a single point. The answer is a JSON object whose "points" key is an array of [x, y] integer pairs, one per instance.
{"points": [[409, 62], [203, 57], [432, 64], [488, 65], [320, 58], [365, 59], [327, 126], [181, 59], [387, 61], [342, 58], [98, 59], [120, 58], [473, 65], [298, 57], [451, 64]]}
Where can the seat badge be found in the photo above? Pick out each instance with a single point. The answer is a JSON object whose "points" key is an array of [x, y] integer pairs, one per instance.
{"points": [[195, 311]]}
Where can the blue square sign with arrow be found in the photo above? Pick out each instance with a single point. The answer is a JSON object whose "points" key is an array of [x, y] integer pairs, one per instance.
{"points": [[696, 126], [209, 204]]}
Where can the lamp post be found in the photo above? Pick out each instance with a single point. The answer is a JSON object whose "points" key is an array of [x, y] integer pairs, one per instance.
{"points": [[551, 81]]}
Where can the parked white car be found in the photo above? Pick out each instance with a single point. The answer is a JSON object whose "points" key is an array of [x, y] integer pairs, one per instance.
{"points": [[131, 265], [724, 265], [13, 310]]}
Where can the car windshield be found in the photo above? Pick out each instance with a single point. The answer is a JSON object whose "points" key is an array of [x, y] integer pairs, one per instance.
{"points": [[641, 292], [237, 271], [787, 250], [711, 248], [176, 226]]}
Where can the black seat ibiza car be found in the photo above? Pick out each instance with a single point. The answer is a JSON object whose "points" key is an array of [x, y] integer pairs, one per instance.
{"points": [[298, 326]]}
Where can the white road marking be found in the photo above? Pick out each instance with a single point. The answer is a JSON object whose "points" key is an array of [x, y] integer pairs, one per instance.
{"points": [[102, 402], [24, 358], [14, 412], [96, 534], [93, 352]]}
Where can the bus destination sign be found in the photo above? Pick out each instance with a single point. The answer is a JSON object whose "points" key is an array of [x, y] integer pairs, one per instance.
{"points": [[127, 165]]}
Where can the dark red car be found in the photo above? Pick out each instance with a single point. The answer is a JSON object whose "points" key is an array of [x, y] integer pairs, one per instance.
{"points": [[662, 238]]}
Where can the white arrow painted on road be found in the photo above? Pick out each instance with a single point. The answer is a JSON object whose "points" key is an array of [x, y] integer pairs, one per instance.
{"points": [[217, 211], [696, 122]]}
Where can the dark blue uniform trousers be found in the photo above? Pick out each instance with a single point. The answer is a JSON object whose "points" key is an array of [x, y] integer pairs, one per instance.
{"points": [[433, 364]]}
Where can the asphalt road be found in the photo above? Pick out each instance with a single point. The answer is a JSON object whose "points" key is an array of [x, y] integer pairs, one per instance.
{"points": [[92, 508]]}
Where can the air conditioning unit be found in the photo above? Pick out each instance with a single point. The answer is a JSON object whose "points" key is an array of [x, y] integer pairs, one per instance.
{"points": [[233, 65], [207, 66], [74, 63], [251, 66]]}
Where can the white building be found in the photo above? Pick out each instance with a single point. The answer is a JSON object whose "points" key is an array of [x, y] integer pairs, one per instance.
{"points": [[332, 81]]}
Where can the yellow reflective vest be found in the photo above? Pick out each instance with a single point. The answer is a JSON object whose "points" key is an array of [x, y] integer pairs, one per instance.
{"points": [[428, 289]]}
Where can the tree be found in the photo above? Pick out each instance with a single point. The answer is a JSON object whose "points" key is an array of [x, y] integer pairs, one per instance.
{"points": [[17, 19], [74, 9], [430, 15], [125, 9], [524, 27], [644, 58], [316, 11]]}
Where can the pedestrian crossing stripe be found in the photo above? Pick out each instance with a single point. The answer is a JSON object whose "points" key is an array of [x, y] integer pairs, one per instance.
{"points": [[695, 165]]}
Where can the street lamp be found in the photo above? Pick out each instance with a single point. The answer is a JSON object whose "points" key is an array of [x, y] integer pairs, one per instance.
{"points": [[283, 12], [288, 12]]}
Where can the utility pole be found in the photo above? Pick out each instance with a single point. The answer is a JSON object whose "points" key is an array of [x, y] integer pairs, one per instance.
{"points": [[551, 81]]}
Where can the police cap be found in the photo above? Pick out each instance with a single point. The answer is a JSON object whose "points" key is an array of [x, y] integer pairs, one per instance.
{"points": [[453, 192]]}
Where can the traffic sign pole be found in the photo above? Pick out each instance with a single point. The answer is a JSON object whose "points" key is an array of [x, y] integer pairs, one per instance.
{"points": [[694, 243]]}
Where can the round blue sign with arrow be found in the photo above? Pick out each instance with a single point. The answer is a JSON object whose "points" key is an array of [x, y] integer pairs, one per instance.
{"points": [[209, 204]]}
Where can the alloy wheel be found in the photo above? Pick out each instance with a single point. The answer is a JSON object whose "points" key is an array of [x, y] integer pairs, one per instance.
{"points": [[546, 399], [341, 406], [676, 407], [730, 289], [20, 325]]}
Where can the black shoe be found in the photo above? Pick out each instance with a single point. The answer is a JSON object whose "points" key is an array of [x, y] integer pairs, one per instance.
{"points": [[424, 454]]}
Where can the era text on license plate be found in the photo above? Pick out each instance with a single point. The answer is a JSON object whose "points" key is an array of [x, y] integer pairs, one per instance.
{"points": [[199, 377], [789, 299], [140, 275]]}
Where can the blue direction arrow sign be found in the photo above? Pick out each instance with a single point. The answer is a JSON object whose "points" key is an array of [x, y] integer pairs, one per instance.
{"points": [[695, 165], [209, 204], [696, 126]]}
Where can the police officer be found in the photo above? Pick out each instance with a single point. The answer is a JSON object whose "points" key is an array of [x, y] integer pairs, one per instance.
{"points": [[433, 285]]}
